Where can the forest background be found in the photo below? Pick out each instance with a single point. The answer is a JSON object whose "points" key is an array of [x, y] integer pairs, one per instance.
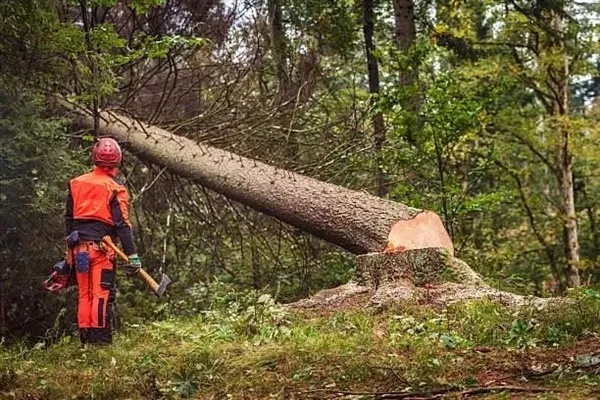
{"points": [[484, 111]]}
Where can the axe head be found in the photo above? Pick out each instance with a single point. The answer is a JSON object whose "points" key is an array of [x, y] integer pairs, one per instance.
{"points": [[162, 286]]}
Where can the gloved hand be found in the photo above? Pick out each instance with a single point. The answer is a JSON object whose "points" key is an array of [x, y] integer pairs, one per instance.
{"points": [[134, 263]]}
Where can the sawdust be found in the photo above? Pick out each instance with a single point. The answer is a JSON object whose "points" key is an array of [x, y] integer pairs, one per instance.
{"points": [[345, 297], [353, 296]]}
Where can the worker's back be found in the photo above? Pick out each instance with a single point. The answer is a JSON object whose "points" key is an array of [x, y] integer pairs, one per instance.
{"points": [[92, 194]]}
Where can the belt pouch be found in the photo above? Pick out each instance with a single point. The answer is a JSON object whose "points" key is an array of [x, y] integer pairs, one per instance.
{"points": [[107, 278], [72, 239], [82, 261]]}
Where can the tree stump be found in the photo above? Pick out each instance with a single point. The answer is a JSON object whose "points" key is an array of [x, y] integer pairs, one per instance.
{"points": [[422, 276], [420, 267]]}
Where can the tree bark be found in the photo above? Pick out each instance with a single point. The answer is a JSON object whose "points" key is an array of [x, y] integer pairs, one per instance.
{"points": [[354, 220], [404, 37], [278, 46], [565, 182], [2, 304], [373, 72], [559, 74], [591, 214], [404, 24]]}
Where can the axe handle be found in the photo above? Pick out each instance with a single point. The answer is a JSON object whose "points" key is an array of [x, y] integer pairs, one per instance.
{"points": [[151, 282]]}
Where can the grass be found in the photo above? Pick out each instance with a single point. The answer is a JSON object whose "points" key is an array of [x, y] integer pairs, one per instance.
{"points": [[256, 350]]}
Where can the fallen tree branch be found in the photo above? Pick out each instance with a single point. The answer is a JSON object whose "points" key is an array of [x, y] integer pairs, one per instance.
{"points": [[487, 389], [434, 393], [393, 371], [526, 375]]}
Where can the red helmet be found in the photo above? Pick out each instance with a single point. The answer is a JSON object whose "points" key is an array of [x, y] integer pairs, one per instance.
{"points": [[106, 153]]}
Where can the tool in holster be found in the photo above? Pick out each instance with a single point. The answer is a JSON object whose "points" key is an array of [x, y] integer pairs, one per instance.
{"points": [[157, 288]]}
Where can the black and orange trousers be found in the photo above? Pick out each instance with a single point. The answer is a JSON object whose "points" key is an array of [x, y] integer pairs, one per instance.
{"points": [[95, 272]]}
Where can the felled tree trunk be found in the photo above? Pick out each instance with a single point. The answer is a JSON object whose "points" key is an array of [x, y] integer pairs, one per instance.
{"points": [[356, 221]]}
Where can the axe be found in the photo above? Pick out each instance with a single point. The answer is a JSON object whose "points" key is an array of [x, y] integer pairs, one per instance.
{"points": [[157, 288]]}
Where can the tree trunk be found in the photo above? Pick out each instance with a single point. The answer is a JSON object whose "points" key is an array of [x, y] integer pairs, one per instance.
{"points": [[564, 158], [404, 24], [591, 214], [404, 37], [278, 46], [373, 72], [564, 171], [2, 305], [353, 220]]}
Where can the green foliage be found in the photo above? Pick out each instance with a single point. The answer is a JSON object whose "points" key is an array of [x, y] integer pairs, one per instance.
{"points": [[593, 294], [31, 33], [333, 25], [36, 156], [472, 136], [250, 314], [520, 333], [188, 358], [468, 325], [145, 6]]}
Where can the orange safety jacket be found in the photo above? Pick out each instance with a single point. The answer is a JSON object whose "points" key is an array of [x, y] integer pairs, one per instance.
{"points": [[97, 205]]}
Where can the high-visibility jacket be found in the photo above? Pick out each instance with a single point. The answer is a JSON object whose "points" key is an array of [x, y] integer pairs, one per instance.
{"points": [[97, 205]]}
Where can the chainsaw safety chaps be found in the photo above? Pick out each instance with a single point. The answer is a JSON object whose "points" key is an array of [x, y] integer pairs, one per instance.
{"points": [[96, 292]]}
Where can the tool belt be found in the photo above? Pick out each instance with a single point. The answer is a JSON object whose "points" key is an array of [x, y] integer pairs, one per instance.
{"points": [[78, 252], [77, 259], [62, 274]]}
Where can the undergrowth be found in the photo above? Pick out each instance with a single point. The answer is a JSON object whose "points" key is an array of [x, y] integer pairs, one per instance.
{"points": [[247, 346]]}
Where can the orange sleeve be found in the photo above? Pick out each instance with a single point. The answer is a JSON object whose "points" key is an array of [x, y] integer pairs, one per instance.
{"points": [[120, 216], [123, 201]]}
